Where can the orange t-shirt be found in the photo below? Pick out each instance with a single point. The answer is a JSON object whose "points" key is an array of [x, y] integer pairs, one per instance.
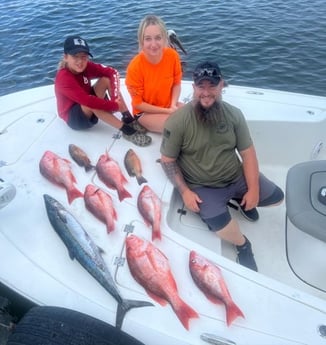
{"points": [[153, 83]]}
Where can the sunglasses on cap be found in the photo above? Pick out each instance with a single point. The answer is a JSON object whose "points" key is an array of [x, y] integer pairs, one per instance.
{"points": [[207, 72]]}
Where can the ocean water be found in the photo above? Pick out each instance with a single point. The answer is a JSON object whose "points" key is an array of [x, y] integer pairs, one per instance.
{"points": [[272, 44]]}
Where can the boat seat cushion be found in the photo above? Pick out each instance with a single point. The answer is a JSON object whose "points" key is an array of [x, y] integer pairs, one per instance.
{"points": [[306, 197]]}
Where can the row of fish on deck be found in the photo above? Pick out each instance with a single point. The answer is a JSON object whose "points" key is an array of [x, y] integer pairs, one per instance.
{"points": [[148, 265]]}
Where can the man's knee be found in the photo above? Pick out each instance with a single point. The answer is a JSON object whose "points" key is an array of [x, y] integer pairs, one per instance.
{"points": [[219, 222], [274, 199]]}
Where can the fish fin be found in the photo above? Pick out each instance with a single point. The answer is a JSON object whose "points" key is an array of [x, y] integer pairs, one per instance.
{"points": [[101, 250], [109, 227], [123, 193], [156, 234], [115, 214], [89, 167], [124, 179], [66, 160], [125, 306], [163, 302], [71, 254], [141, 179], [73, 194], [213, 299], [184, 313], [232, 312], [129, 171]]}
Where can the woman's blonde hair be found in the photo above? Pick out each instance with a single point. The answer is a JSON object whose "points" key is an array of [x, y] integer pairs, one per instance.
{"points": [[62, 64], [147, 21]]}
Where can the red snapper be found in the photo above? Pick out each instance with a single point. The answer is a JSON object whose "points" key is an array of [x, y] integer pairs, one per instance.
{"points": [[208, 277], [110, 174], [100, 205], [151, 269], [58, 171], [149, 206]]}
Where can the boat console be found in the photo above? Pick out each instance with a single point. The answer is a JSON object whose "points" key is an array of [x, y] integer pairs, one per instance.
{"points": [[305, 222]]}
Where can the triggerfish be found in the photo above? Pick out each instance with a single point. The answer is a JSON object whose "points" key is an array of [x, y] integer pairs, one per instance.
{"points": [[58, 171], [208, 277], [82, 248], [151, 269]]}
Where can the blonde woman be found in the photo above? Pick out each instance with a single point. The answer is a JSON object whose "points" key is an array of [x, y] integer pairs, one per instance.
{"points": [[154, 76]]}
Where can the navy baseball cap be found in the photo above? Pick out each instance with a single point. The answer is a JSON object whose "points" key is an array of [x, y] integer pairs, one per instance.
{"points": [[207, 71], [75, 44]]}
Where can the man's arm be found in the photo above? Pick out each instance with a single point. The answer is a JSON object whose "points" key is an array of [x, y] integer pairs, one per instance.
{"points": [[174, 174], [251, 173]]}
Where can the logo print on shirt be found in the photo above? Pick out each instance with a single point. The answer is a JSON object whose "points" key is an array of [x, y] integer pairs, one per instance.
{"points": [[222, 127], [85, 80]]}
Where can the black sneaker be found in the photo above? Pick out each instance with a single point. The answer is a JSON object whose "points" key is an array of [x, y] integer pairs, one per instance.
{"points": [[245, 256], [251, 215]]}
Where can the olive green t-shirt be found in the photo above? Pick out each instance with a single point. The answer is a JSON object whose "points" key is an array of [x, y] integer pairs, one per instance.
{"points": [[206, 154]]}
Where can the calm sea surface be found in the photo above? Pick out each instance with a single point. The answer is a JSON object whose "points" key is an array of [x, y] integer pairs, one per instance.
{"points": [[273, 44]]}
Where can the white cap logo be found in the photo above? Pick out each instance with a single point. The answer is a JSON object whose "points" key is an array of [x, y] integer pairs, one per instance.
{"points": [[79, 42]]}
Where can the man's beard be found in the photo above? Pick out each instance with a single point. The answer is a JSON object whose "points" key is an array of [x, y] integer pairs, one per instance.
{"points": [[208, 116]]}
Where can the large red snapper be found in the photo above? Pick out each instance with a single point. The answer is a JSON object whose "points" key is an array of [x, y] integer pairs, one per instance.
{"points": [[208, 277], [100, 205], [149, 206], [110, 174], [151, 269], [58, 171]]}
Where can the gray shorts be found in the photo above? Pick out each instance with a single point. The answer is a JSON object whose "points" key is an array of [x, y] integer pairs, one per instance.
{"points": [[214, 210], [78, 120]]}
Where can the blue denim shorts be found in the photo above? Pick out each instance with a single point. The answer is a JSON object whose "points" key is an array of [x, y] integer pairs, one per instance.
{"points": [[214, 210]]}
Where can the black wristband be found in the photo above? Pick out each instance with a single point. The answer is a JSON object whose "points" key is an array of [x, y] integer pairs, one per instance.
{"points": [[127, 117], [125, 129]]}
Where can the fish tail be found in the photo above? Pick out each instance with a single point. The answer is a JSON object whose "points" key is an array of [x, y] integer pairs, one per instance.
{"points": [[156, 234], [125, 306], [89, 167], [109, 227], [185, 313], [123, 193], [73, 194], [141, 179], [232, 312]]}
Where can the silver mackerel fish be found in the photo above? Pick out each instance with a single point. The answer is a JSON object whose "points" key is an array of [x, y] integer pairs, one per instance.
{"points": [[81, 247]]}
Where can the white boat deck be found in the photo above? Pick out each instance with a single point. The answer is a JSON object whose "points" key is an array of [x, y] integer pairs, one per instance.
{"points": [[279, 308]]}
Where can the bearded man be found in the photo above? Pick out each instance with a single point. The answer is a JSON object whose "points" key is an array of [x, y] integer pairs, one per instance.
{"points": [[209, 156]]}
